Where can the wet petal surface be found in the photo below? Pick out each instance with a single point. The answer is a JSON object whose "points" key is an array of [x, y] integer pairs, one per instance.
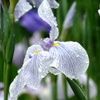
{"points": [[31, 73], [36, 3], [46, 14], [70, 58], [21, 8]]}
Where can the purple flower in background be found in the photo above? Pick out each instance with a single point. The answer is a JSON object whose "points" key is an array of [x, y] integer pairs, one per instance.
{"points": [[32, 22], [19, 53]]}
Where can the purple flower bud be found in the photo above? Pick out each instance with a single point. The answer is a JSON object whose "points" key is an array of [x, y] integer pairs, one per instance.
{"points": [[32, 22]]}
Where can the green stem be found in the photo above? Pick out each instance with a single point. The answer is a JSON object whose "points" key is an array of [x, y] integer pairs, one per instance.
{"points": [[54, 87], [6, 80], [64, 87]]}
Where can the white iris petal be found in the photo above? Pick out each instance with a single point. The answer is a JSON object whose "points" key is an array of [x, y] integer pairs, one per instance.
{"points": [[36, 3], [31, 51], [31, 73], [16, 87], [46, 14], [54, 33], [70, 58], [53, 4], [21, 8]]}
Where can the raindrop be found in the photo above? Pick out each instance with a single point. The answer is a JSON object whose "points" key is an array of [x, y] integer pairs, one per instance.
{"points": [[79, 47], [39, 70], [77, 55]]}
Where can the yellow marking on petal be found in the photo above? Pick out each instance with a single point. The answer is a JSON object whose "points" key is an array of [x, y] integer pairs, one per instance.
{"points": [[37, 51], [55, 44]]}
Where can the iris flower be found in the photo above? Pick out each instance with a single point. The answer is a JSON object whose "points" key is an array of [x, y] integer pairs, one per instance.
{"points": [[69, 58]]}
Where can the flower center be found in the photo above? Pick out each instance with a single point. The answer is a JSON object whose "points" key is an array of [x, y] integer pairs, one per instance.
{"points": [[36, 52], [55, 44], [46, 44]]}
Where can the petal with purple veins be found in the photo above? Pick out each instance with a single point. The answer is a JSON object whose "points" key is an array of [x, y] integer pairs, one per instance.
{"points": [[31, 73], [70, 58]]}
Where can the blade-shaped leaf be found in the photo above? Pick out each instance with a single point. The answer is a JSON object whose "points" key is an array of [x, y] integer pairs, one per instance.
{"points": [[76, 89]]}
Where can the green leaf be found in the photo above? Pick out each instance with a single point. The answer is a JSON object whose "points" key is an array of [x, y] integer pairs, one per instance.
{"points": [[1, 67], [12, 8], [61, 13], [76, 89], [10, 45], [6, 27], [26, 96]]}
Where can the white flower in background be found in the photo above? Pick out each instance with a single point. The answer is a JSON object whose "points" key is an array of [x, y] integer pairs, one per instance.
{"points": [[69, 58], [35, 38], [19, 54], [21, 8], [43, 92], [36, 3], [99, 11], [83, 80], [68, 22], [1, 85], [92, 86]]}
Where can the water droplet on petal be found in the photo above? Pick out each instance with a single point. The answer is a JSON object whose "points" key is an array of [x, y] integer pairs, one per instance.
{"points": [[39, 70], [77, 55]]}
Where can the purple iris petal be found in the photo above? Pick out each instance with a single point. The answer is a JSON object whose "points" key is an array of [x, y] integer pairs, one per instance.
{"points": [[32, 22]]}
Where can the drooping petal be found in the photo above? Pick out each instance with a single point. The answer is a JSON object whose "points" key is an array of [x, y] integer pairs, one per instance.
{"points": [[16, 87], [36, 3], [54, 33], [70, 58], [69, 17], [46, 14], [21, 8], [31, 73], [33, 23]]}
